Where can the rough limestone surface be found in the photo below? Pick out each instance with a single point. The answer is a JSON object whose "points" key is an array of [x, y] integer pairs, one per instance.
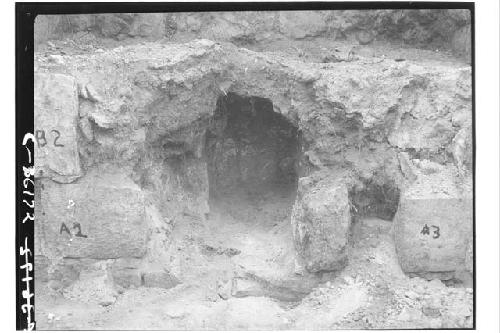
{"points": [[448, 29], [320, 222], [155, 101], [56, 115], [159, 279], [469, 257], [433, 225], [126, 272], [245, 287], [101, 216], [373, 128], [94, 286], [146, 108]]}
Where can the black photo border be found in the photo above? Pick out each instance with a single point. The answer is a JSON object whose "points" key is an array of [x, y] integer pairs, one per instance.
{"points": [[25, 14]]}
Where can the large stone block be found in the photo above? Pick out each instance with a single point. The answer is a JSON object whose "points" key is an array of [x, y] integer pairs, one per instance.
{"points": [[242, 287], [94, 285], [433, 226], [159, 279], [101, 216], [56, 116], [320, 222], [126, 272]]}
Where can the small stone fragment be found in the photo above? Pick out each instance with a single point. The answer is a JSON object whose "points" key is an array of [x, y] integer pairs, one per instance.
{"points": [[93, 95], [86, 128], [160, 279], [56, 58]]}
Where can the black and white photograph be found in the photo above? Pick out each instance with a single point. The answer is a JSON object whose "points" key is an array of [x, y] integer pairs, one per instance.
{"points": [[247, 166]]}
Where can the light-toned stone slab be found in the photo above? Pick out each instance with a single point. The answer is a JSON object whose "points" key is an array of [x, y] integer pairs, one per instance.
{"points": [[55, 124], [101, 216], [320, 222], [433, 226]]}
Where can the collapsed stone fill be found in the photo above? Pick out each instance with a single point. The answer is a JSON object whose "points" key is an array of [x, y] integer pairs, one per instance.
{"points": [[375, 198]]}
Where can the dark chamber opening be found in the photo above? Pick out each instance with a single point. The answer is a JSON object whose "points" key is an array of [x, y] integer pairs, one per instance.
{"points": [[251, 150]]}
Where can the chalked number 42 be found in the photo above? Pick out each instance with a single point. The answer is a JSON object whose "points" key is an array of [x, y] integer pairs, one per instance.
{"points": [[435, 232]]}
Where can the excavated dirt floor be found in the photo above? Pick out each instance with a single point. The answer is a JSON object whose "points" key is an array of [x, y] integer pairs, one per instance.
{"points": [[248, 239], [371, 292]]}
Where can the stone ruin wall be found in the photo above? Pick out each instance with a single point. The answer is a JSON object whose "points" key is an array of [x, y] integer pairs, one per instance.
{"points": [[120, 162]]}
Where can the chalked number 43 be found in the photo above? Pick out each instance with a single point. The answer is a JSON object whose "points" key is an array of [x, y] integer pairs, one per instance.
{"points": [[427, 231]]}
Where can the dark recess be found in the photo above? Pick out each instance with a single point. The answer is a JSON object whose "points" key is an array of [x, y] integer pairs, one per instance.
{"points": [[250, 148]]}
